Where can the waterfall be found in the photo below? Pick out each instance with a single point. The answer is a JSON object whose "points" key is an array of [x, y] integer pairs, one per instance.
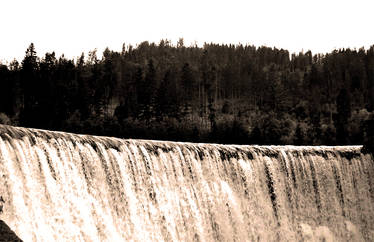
{"points": [[58, 186]]}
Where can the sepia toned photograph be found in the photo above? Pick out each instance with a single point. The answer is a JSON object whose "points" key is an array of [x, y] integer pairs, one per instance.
{"points": [[186, 120]]}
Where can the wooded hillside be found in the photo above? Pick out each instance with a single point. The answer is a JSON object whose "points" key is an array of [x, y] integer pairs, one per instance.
{"points": [[216, 93]]}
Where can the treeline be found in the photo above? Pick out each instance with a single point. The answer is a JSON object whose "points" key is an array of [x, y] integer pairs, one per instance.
{"points": [[216, 93]]}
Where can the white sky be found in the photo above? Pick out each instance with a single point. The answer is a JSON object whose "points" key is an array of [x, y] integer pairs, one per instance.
{"points": [[75, 26]]}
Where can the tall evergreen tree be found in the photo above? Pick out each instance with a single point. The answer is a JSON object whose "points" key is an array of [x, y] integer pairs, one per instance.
{"points": [[343, 103], [29, 86], [146, 92]]}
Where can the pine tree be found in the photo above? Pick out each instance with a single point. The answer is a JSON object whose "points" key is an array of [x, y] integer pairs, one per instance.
{"points": [[29, 86], [147, 93], [369, 135], [343, 104]]}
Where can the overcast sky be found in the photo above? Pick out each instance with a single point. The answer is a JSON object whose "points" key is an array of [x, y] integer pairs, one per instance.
{"points": [[73, 26]]}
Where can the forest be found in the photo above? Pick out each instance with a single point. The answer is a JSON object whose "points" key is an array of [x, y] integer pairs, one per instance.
{"points": [[217, 93]]}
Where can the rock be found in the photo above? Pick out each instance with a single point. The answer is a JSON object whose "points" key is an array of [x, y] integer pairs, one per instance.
{"points": [[6, 234]]}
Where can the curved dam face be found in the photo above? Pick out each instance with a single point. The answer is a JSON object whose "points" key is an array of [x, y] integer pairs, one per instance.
{"points": [[57, 186]]}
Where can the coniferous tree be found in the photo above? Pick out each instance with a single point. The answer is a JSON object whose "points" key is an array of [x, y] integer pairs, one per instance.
{"points": [[166, 100], [48, 95], [7, 90], [343, 103], [187, 83], [299, 136], [29, 86], [146, 92], [369, 135], [84, 94]]}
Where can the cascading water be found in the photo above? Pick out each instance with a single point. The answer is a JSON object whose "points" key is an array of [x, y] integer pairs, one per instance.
{"points": [[65, 187]]}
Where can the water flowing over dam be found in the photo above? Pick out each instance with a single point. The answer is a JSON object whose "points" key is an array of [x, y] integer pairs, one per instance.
{"points": [[57, 186]]}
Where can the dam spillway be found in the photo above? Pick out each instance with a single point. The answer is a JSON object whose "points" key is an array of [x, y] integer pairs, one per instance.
{"points": [[57, 186]]}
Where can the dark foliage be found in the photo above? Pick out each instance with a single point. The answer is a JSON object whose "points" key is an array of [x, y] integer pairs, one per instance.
{"points": [[369, 135], [216, 93]]}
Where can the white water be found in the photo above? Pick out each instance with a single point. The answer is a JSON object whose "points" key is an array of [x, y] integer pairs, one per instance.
{"points": [[65, 187]]}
